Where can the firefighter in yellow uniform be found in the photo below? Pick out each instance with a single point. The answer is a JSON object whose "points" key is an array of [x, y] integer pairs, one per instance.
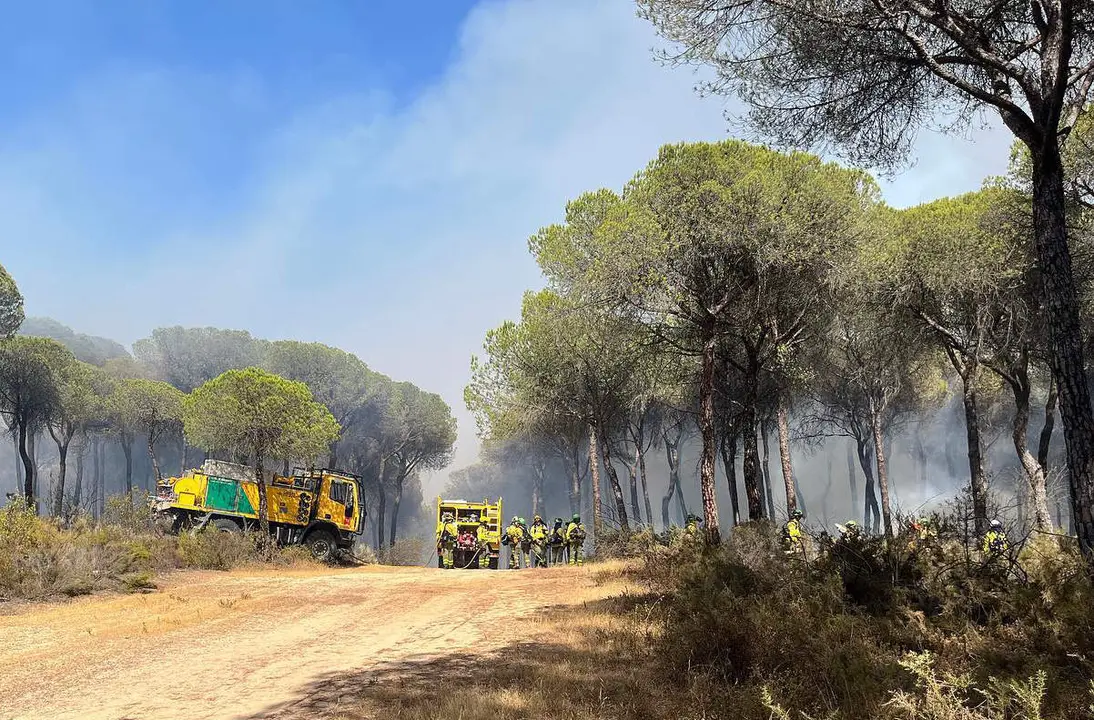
{"points": [[482, 534], [446, 540], [692, 534], [793, 538], [575, 540], [514, 536], [538, 533], [995, 541]]}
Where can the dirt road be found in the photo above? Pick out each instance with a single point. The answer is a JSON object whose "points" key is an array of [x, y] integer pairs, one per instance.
{"points": [[250, 644]]}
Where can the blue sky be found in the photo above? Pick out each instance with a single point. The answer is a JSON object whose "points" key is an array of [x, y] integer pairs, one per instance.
{"points": [[364, 174]]}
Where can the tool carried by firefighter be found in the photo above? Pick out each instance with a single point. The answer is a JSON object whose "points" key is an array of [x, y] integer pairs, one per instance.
{"points": [[478, 532]]}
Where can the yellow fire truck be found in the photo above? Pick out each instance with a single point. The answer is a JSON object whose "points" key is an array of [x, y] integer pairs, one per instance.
{"points": [[467, 516], [322, 509]]}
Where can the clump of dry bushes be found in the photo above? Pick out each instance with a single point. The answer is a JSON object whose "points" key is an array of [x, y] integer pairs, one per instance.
{"points": [[874, 630], [123, 552]]}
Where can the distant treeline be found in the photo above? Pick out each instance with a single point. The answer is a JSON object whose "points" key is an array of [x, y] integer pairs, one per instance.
{"points": [[69, 399]]}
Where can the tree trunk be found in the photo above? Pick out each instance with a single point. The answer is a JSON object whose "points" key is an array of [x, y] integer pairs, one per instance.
{"points": [[729, 460], [575, 481], [127, 449], [537, 488], [871, 517], [1044, 443], [1062, 310], [783, 426], [852, 477], [78, 484], [28, 466], [36, 480], [768, 492], [681, 505], [1035, 475], [381, 517], [978, 482], [263, 507], [645, 484], [632, 478], [594, 469], [396, 502], [99, 479], [882, 473], [182, 457], [706, 430], [613, 482], [333, 459], [672, 457], [751, 464], [152, 456], [62, 442]]}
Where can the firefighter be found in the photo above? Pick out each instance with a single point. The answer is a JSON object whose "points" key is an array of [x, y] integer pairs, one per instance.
{"points": [[482, 534], [691, 525], [995, 540], [793, 538], [849, 531], [446, 540], [575, 540], [556, 542], [525, 544], [514, 535], [538, 534], [692, 536]]}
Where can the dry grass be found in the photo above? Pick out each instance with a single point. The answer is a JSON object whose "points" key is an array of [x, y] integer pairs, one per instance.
{"points": [[39, 559]]}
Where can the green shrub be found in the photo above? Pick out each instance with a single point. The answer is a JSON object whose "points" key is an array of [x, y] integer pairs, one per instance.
{"points": [[615, 544], [408, 551], [876, 631], [211, 549]]}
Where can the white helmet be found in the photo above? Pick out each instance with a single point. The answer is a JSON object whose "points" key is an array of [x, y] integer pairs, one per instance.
{"points": [[995, 524]]}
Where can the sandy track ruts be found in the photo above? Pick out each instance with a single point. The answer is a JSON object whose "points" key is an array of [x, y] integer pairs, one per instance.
{"points": [[216, 645]]}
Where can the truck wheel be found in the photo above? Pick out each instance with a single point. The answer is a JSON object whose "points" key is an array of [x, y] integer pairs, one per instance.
{"points": [[226, 525], [321, 544]]}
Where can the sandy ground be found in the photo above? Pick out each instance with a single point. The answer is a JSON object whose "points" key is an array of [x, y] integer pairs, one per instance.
{"points": [[250, 644]]}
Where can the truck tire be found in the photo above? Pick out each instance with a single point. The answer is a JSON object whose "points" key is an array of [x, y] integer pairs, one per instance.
{"points": [[226, 525], [322, 545]]}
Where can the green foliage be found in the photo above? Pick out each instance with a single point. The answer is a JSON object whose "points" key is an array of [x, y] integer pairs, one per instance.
{"points": [[337, 379], [87, 348], [188, 357], [148, 406], [952, 644], [211, 549], [258, 414], [11, 305]]}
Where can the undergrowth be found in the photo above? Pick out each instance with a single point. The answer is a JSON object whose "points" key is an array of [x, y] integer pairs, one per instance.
{"points": [[871, 630], [125, 552]]}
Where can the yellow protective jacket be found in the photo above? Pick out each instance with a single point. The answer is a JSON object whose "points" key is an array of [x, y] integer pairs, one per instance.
{"points": [[539, 532], [793, 531], [483, 534], [515, 533], [570, 535], [995, 542], [450, 526]]}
